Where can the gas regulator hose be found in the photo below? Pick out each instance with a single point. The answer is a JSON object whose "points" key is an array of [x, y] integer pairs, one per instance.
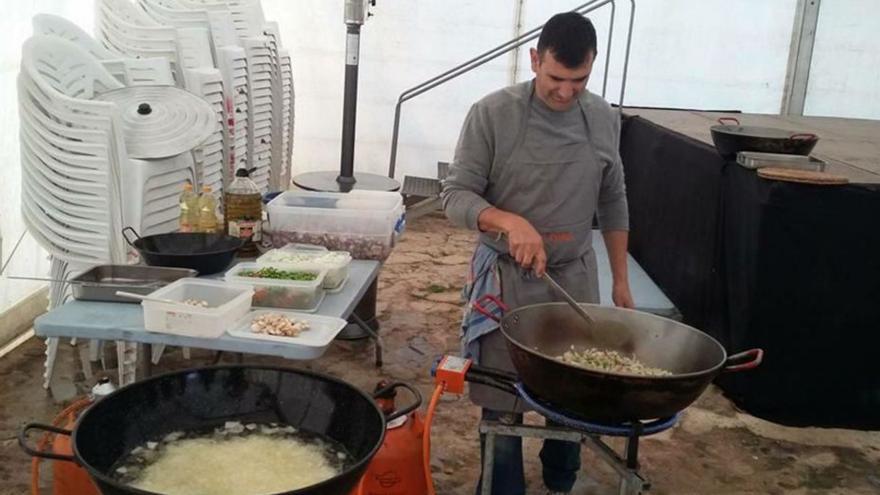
{"points": [[426, 440]]}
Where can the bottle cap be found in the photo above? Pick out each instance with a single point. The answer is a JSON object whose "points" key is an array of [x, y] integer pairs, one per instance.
{"points": [[242, 172], [206, 188], [103, 388], [187, 186]]}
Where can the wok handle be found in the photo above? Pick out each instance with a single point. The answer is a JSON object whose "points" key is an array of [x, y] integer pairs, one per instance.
{"points": [[806, 136], [23, 442], [476, 370], [721, 120], [406, 410], [757, 356], [496, 383], [125, 235], [479, 306]]}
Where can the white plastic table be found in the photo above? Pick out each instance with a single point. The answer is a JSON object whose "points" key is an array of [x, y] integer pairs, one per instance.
{"points": [[125, 322]]}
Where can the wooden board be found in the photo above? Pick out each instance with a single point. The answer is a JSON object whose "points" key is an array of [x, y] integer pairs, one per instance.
{"points": [[802, 176]]}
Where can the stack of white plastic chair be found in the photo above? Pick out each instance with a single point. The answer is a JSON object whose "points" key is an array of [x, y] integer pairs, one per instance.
{"points": [[260, 66], [150, 187], [233, 65], [231, 60], [201, 78], [210, 157], [123, 28], [287, 115], [259, 112], [71, 152], [277, 172], [184, 38]]}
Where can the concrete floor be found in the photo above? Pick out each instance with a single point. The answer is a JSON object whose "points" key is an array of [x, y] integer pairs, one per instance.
{"points": [[715, 449]]}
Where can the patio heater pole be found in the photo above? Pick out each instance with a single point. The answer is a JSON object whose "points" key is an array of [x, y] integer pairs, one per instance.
{"points": [[355, 13]]}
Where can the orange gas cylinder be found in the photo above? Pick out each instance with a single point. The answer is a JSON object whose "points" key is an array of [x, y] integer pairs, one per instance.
{"points": [[398, 467], [67, 477]]}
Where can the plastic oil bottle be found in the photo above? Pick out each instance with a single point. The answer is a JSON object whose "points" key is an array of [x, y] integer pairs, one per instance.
{"points": [[207, 211], [244, 212], [189, 209]]}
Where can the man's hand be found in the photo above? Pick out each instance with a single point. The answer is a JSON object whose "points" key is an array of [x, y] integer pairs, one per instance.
{"points": [[615, 243], [525, 244], [622, 297]]}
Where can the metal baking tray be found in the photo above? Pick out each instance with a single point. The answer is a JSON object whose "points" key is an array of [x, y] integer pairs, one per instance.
{"points": [[755, 160], [101, 282]]}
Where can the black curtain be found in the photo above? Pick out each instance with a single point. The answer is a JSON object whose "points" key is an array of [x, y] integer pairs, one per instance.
{"points": [[791, 268]]}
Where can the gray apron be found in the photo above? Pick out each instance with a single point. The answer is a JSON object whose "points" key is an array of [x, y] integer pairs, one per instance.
{"points": [[560, 208]]}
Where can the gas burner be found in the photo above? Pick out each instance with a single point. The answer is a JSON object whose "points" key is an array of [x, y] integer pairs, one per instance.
{"points": [[625, 429]]}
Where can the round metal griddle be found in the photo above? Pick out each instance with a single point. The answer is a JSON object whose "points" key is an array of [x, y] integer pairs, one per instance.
{"points": [[327, 182], [161, 121]]}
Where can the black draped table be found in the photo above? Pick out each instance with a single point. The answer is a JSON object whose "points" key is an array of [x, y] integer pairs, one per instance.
{"points": [[791, 268]]}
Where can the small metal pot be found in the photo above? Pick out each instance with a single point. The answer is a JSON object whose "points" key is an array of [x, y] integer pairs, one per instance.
{"points": [[730, 138], [205, 253]]}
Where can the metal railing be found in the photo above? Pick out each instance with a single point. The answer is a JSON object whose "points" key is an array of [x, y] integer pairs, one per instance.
{"points": [[502, 49]]}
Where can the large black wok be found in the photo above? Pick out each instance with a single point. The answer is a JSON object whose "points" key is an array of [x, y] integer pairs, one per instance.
{"points": [[205, 253], [732, 138], [536, 334], [208, 397]]}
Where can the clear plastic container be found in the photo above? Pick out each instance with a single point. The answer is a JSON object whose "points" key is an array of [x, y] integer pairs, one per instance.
{"points": [[278, 293], [300, 257], [363, 223], [226, 303], [309, 344]]}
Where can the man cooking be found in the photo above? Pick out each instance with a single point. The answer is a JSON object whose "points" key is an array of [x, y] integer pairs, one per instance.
{"points": [[534, 163]]}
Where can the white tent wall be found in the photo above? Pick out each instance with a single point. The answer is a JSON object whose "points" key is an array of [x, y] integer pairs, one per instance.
{"points": [[708, 54], [845, 73]]}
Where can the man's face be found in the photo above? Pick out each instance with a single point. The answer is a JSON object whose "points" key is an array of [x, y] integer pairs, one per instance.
{"points": [[557, 85]]}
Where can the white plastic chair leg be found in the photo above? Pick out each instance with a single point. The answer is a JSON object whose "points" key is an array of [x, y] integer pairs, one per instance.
{"points": [[157, 351], [49, 366], [126, 355]]}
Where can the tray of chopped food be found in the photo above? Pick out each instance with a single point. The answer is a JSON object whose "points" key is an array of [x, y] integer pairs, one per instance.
{"points": [[296, 257], [278, 286], [205, 309], [307, 335]]}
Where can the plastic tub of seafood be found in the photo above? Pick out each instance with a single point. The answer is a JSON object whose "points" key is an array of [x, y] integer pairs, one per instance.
{"points": [[298, 257], [277, 286], [303, 343], [206, 309], [365, 224]]}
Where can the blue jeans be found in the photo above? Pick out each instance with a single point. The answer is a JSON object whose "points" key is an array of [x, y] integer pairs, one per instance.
{"points": [[560, 460]]}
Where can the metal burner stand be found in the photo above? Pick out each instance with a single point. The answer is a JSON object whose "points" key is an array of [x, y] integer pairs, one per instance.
{"points": [[577, 430]]}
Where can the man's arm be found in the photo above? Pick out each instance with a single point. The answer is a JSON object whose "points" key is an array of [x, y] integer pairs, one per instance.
{"points": [[613, 213], [616, 244], [465, 187]]}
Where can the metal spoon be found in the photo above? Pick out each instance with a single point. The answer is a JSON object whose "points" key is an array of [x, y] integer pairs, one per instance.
{"points": [[570, 300]]}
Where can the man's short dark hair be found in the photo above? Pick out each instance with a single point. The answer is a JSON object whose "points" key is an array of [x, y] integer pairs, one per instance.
{"points": [[570, 37]]}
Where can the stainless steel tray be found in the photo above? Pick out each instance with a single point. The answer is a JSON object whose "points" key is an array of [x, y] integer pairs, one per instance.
{"points": [[755, 160], [101, 282]]}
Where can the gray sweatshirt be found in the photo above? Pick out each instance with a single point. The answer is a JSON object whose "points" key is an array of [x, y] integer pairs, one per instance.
{"points": [[477, 178]]}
